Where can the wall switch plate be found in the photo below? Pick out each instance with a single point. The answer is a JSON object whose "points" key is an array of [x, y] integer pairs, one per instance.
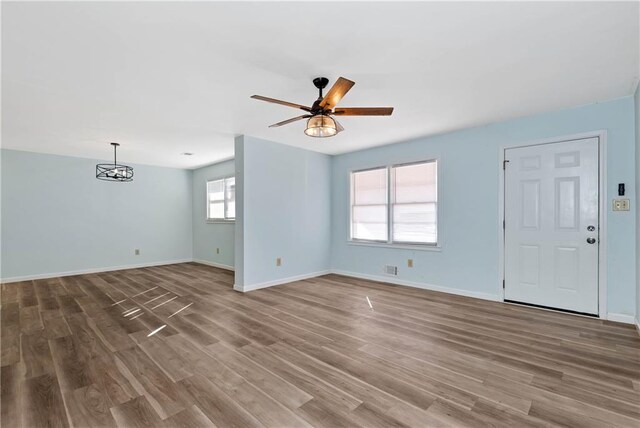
{"points": [[278, 261], [410, 263], [621, 204], [136, 252]]}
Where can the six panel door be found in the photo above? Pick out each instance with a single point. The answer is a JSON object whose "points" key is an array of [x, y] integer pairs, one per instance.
{"points": [[551, 225]]}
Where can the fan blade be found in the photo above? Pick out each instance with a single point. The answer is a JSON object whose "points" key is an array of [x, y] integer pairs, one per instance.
{"points": [[339, 127], [284, 103], [285, 122], [363, 111], [335, 94]]}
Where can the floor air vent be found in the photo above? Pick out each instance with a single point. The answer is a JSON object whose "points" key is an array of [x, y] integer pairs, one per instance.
{"points": [[390, 270]]}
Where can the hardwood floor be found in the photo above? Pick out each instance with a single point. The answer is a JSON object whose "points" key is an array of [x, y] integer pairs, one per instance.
{"points": [[79, 351]]}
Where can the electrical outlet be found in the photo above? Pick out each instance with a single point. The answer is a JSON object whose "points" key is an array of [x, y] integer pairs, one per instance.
{"points": [[621, 204], [217, 250], [409, 262], [136, 252], [278, 261]]}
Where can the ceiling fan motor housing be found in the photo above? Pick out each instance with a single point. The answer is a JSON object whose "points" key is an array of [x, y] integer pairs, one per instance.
{"points": [[321, 82]]}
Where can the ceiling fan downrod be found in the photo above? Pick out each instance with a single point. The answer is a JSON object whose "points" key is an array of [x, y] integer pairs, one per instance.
{"points": [[320, 83]]}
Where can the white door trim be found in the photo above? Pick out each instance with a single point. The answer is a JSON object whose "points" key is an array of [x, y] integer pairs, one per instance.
{"points": [[602, 179]]}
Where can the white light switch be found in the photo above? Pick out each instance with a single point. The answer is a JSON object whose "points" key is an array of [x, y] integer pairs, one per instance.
{"points": [[621, 204]]}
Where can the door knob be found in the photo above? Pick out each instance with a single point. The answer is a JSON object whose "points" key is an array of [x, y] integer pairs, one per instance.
{"points": [[591, 240]]}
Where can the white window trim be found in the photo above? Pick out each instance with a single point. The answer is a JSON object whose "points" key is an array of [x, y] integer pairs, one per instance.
{"points": [[402, 246], [224, 190], [389, 243]]}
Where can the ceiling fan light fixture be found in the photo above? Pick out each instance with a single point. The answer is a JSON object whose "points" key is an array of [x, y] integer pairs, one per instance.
{"points": [[320, 123], [321, 126]]}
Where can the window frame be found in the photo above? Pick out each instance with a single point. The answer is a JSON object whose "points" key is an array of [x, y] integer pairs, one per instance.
{"points": [[226, 219], [390, 243]]}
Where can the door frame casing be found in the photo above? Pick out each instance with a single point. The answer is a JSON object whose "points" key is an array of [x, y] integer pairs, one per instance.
{"points": [[602, 209]]}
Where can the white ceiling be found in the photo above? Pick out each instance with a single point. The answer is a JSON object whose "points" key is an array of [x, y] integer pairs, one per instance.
{"points": [[170, 77]]}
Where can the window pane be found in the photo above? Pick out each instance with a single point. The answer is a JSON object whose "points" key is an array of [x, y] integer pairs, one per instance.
{"points": [[414, 196], [370, 214], [216, 210], [215, 190], [230, 190], [369, 209], [370, 222], [370, 187], [415, 183], [415, 223], [370, 232]]}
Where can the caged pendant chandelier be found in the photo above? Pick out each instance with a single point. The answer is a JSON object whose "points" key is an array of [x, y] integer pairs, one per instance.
{"points": [[114, 171]]}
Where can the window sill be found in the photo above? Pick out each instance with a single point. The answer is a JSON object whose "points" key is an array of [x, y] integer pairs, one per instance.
{"points": [[416, 247], [220, 221]]}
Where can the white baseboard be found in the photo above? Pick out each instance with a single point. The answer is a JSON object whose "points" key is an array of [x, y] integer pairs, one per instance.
{"points": [[396, 281], [92, 270], [638, 325], [251, 287], [622, 318], [627, 319], [214, 264]]}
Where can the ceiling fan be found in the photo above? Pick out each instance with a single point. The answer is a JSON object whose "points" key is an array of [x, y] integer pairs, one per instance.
{"points": [[321, 123]]}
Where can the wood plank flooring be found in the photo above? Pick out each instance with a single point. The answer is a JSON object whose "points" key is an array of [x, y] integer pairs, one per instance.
{"points": [[175, 346]]}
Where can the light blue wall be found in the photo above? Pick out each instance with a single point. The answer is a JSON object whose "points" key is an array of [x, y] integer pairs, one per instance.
{"points": [[637, 120], [469, 184], [286, 197], [57, 217], [207, 237]]}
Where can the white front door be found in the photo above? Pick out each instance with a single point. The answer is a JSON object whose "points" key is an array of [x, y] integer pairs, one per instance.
{"points": [[551, 225]]}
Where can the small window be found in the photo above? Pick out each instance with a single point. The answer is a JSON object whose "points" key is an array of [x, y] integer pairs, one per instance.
{"points": [[221, 199], [395, 204]]}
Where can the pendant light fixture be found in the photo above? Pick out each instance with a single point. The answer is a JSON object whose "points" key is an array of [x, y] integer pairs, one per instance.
{"points": [[321, 126], [114, 171]]}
